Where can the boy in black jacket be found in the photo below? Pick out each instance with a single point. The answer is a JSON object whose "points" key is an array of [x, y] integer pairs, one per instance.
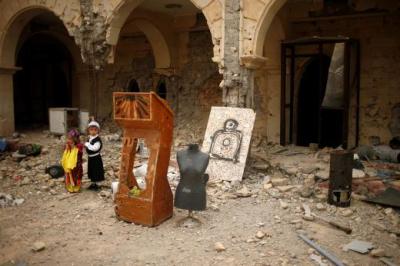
{"points": [[93, 148]]}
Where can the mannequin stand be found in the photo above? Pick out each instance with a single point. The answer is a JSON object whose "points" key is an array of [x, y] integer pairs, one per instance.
{"points": [[195, 221]]}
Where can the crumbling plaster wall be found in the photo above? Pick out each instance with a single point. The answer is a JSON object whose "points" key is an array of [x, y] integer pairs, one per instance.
{"points": [[117, 11], [192, 87], [380, 52], [196, 89], [133, 60], [380, 73]]}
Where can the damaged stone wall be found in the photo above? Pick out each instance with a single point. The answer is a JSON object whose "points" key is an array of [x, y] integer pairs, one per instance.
{"points": [[91, 36], [197, 89], [380, 73], [191, 91], [133, 60]]}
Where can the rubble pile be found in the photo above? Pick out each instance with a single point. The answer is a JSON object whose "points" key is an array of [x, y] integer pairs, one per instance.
{"points": [[290, 182], [7, 200]]}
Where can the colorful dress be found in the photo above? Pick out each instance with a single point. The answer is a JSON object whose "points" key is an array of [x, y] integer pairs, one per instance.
{"points": [[72, 164]]}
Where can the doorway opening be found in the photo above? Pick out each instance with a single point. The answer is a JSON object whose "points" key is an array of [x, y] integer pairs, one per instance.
{"points": [[320, 103], [45, 80], [316, 124]]}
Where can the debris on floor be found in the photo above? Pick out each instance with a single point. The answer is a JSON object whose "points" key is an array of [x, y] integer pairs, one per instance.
{"points": [[362, 247], [284, 193], [390, 197], [38, 246], [7, 200]]}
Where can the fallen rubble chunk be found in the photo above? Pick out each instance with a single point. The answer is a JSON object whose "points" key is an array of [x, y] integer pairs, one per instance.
{"points": [[18, 202], [362, 247], [243, 192], [38, 246], [358, 173], [285, 188], [347, 212], [260, 235], [386, 261], [378, 226], [105, 194], [320, 207], [306, 191], [284, 205], [219, 247], [318, 260], [7, 200], [279, 182], [378, 252], [261, 166], [307, 213], [309, 169], [267, 186]]}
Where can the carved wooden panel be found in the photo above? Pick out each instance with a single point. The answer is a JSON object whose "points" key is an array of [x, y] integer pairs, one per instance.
{"points": [[132, 106]]}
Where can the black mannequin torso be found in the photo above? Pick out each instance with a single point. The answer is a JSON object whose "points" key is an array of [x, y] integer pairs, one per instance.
{"points": [[191, 193], [192, 162]]}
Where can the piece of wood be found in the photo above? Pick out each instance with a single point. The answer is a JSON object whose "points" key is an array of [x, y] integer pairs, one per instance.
{"points": [[144, 116], [337, 225]]}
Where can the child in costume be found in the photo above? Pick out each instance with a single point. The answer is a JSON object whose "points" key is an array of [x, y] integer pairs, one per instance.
{"points": [[93, 148], [72, 162]]}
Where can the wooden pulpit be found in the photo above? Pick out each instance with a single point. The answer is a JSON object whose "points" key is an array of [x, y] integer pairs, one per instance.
{"points": [[144, 116]]}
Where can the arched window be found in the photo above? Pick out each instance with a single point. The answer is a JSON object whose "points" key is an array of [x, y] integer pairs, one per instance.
{"points": [[162, 89], [133, 86]]}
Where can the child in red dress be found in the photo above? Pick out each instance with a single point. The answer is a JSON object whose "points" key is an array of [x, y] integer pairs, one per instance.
{"points": [[72, 162]]}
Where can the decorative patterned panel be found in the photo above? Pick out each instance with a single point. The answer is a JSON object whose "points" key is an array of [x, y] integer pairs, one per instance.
{"points": [[132, 106]]}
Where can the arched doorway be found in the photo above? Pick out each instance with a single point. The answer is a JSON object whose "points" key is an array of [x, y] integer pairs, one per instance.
{"points": [[311, 119], [35, 36], [48, 71], [45, 79]]}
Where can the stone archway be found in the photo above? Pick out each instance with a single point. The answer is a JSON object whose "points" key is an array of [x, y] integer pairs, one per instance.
{"points": [[161, 50], [257, 19], [212, 10], [15, 16]]}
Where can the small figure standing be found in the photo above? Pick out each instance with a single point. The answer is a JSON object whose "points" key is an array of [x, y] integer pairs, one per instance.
{"points": [[93, 148], [72, 162]]}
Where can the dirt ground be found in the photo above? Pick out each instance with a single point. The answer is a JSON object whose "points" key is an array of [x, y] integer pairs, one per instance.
{"points": [[257, 223]]}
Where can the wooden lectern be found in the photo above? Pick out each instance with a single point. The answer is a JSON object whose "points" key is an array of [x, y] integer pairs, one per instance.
{"points": [[147, 116]]}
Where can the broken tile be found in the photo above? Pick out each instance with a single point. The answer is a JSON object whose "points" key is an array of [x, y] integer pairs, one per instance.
{"points": [[362, 247]]}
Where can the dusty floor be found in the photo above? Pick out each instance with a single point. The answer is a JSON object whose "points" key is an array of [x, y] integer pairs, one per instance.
{"points": [[82, 229]]}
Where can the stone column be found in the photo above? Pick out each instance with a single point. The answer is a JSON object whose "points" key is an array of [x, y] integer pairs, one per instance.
{"points": [[7, 124], [234, 91]]}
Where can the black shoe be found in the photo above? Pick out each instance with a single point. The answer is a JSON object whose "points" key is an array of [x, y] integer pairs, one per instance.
{"points": [[93, 186]]}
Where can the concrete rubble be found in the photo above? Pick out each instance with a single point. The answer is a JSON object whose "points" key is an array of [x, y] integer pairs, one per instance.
{"points": [[7, 200], [287, 183]]}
